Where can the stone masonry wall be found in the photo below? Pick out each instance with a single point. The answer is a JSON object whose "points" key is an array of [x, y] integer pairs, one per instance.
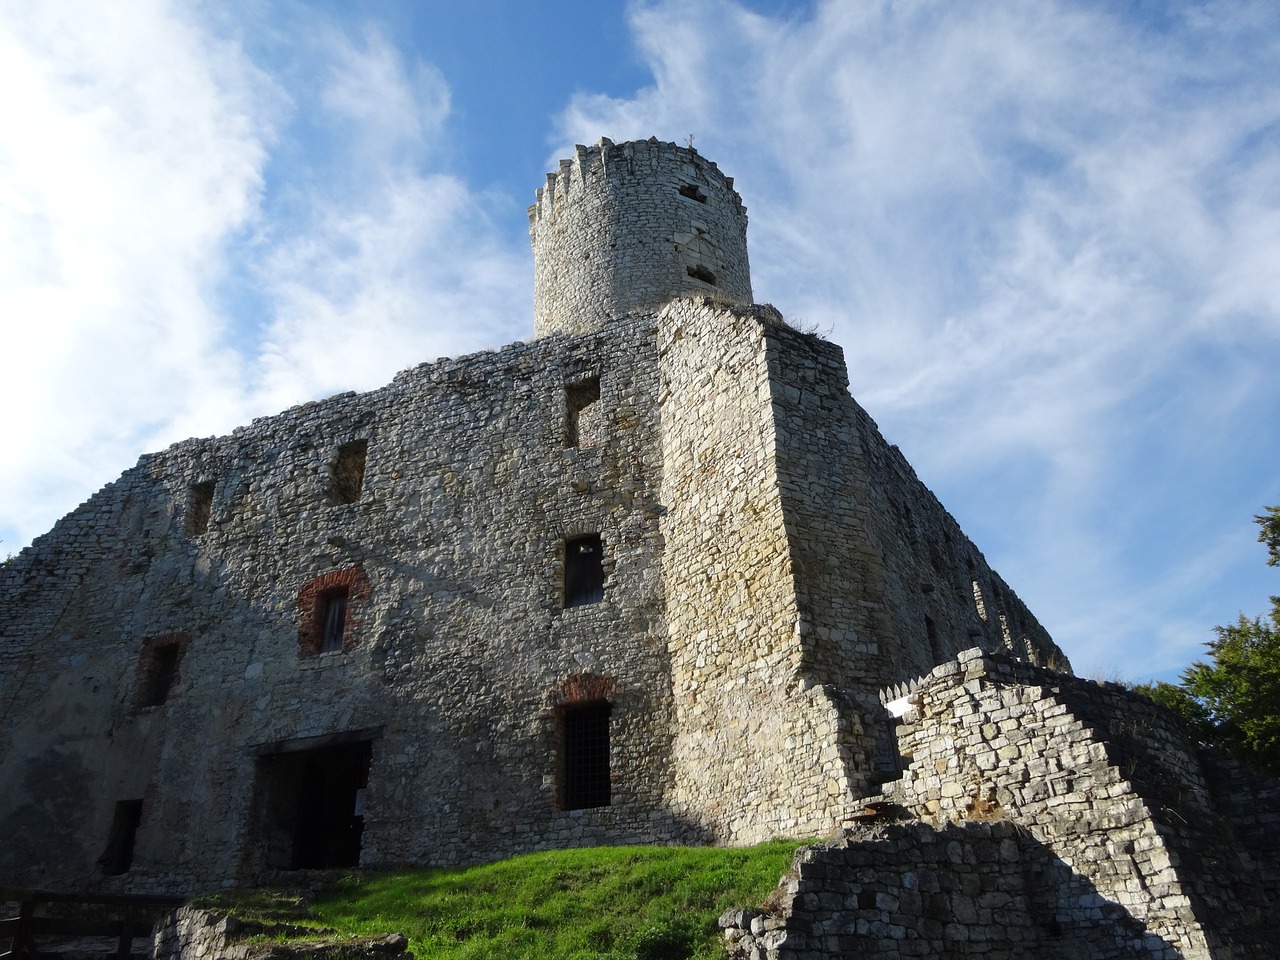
{"points": [[1104, 778], [961, 890], [463, 651], [628, 227], [887, 585], [734, 658], [1113, 840]]}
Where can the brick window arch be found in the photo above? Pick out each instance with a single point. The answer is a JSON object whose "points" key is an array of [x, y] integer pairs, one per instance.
{"points": [[329, 608]]}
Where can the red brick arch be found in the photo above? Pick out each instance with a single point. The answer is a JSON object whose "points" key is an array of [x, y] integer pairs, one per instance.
{"points": [[311, 604], [582, 688]]}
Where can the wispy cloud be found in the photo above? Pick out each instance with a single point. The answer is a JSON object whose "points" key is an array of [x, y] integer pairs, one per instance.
{"points": [[128, 157], [1042, 232], [159, 183], [383, 257]]}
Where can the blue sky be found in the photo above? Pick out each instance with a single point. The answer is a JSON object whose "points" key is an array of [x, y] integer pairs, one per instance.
{"points": [[1046, 233]]}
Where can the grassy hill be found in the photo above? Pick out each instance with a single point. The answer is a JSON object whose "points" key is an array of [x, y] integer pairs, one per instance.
{"points": [[603, 903]]}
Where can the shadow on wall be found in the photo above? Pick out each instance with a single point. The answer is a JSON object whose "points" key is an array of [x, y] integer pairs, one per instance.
{"points": [[965, 890], [48, 829]]}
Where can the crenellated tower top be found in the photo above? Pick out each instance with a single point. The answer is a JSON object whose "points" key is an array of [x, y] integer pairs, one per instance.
{"points": [[626, 226]]}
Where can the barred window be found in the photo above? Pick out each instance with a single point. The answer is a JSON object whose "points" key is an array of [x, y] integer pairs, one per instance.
{"points": [[585, 756]]}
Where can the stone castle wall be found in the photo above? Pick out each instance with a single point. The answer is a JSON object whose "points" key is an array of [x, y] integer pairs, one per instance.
{"points": [[458, 660], [671, 527], [1054, 817], [736, 664], [460, 656], [623, 227]]}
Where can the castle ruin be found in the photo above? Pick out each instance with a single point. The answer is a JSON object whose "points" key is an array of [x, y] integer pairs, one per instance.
{"points": [[652, 576]]}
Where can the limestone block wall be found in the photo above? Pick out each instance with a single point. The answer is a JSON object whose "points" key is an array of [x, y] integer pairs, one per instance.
{"points": [[886, 583], [460, 654], [622, 227], [1101, 777], [889, 584], [961, 890], [760, 749], [1054, 817]]}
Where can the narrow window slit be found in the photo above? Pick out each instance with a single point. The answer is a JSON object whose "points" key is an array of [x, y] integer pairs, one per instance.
{"points": [[334, 620], [584, 427], [118, 857], [162, 674], [935, 646]]}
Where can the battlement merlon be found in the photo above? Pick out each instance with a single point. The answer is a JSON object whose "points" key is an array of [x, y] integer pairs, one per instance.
{"points": [[587, 161], [625, 227]]}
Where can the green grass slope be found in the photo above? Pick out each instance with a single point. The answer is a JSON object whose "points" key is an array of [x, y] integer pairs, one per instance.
{"points": [[603, 903]]}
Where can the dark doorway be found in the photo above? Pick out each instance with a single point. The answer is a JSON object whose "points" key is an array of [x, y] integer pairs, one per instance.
{"points": [[312, 803]]}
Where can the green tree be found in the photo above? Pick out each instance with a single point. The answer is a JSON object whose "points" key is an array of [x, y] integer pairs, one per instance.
{"points": [[1233, 701]]}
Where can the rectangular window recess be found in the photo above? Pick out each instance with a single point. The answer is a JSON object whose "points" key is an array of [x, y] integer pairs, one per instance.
{"points": [[346, 473], [334, 620], [118, 857], [692, 192], [584, 427], [585, 732], [161, 673], [199, 507], [700, 272], [583, 571], [931, 633]]}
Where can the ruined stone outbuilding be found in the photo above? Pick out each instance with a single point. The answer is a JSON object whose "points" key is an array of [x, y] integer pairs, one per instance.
{"points": [[649, 577]]}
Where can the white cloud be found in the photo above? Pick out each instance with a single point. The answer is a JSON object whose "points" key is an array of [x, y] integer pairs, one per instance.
{"points": [[1040, 231], [190, 236], [387, 261], [125, 160]]}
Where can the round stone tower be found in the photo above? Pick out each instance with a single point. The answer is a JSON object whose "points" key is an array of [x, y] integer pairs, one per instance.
{"points": [[626, 226]]}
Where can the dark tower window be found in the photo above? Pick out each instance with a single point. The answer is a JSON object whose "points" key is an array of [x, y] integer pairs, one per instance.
{"points": [[701, 273], [199, 507], [333, 620], [692, 192], [346, 473], [161, 673], [583, 571], [118, 857], [583, 426], [585, 777]]}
